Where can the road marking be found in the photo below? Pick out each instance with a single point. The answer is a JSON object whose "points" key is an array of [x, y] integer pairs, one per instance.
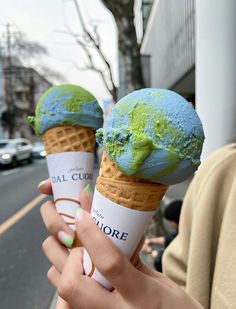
{"points": [[20, 214], [15, 170]]}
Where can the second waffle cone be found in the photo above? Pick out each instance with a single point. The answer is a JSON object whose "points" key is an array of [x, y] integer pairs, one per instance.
{"points": [[69, 139], [130, 192]]}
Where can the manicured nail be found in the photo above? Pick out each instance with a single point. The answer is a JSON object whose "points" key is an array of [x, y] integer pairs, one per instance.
{"points": [[79, 214], [89, 191], [65, 238], [41, 184]]}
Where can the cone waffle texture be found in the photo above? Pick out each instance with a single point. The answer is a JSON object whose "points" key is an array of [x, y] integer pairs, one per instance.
{"points": [[69, 139], [130, 192], [109, 170]]}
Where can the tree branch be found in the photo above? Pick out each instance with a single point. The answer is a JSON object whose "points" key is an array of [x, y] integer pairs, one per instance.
{"points": [[95, 30], [86, 68], [92, 65], [96, 44]]}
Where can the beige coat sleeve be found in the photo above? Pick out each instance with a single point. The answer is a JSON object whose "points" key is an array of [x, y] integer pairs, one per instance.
{"points": [[175, 257], [202, 257]]}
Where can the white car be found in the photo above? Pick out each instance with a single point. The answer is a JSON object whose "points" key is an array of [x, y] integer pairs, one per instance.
{"points": [[13, 151], [39, 150]]}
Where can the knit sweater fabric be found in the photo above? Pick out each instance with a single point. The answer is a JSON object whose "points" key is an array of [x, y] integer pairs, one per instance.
{"points": [[202, 258]]}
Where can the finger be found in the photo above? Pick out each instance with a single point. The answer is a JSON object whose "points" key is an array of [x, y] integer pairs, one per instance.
{"points": [[45, 187], [56, 253], [75, 260], [56, 225], [109, 261], [81, 291], [86, 198], [154, 254], [53, 276]]}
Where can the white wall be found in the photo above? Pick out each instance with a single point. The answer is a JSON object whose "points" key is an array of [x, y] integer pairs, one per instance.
{"points": [[216, 71], [169, 40]]}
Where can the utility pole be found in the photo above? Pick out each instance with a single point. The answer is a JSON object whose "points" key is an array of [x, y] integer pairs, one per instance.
{"points": [[9, 84], [2, 102]]}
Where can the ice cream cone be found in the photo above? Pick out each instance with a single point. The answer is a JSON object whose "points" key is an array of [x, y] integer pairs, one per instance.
{"points": [[66, 116], [152, 138], [124, 225], [68, 139], [130, 192]]}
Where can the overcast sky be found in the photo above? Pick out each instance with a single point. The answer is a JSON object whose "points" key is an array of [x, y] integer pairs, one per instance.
{"points": [[41, 21]]}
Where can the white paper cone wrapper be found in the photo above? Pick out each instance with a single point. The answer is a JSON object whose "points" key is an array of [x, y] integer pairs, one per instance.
{"points": [[70, 172], [124, 226]]}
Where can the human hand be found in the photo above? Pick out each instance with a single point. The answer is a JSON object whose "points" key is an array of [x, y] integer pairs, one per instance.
{"points": [[57, 227], [134, 287], [52, 220], [149, 241], [154, 254], [146, 248]]}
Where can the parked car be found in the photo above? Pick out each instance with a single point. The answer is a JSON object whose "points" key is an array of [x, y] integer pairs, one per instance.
{"points": [[39, 150], [14, 151]]}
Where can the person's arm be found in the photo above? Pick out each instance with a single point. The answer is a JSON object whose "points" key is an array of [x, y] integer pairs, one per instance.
{"points": [[157, 240], [153, 240], [175, 257]]}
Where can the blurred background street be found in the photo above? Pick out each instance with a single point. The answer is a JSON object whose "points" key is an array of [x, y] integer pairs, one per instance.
{"points": [[23, 281], [111, 48]]}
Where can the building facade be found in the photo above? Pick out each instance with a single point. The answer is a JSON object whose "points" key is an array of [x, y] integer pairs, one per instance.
{"points": [[192, 50], [169, 40], [23, 88]]}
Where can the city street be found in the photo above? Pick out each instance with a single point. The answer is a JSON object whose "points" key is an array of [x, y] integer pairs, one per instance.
{"points": [[23, 280]]}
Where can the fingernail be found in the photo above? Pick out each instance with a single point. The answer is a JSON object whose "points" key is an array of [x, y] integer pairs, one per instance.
{"points": [[79, 214], [41, 184], [89, 191], [65, 238]]}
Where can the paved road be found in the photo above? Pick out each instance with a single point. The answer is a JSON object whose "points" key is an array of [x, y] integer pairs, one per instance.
{"points": [[23, 267]]}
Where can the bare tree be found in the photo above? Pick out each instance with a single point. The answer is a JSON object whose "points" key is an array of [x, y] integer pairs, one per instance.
{"points": [[129, 48], [16, 54], [23, 48], [51, 75], [90, 41]]}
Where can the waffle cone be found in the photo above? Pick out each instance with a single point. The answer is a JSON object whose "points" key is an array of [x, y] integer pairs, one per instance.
{"points": [[130, 192], [69, 139]]}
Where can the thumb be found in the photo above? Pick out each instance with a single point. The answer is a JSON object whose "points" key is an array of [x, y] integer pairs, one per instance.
{"points": [[45, 187], [107, 258], [86, 198]]}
